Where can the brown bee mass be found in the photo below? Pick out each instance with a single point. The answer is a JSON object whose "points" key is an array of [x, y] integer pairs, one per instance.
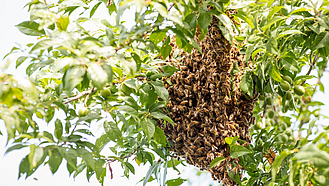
{"points": [[207, 104]]}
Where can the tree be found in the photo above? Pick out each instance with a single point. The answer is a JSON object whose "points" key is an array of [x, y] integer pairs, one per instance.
{"points": [[97, 71]]}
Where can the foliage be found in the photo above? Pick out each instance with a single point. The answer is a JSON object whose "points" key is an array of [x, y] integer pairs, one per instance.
{"points": [[76, 57]]}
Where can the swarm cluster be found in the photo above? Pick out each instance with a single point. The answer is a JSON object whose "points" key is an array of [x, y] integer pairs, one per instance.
{"points": [[207, 104]]}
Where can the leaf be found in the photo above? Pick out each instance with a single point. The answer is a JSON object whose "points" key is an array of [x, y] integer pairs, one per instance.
{"points": [[87, 157], [20, 60], [290, 64], [289, 32], [72, 77], [237, 151], [159, 136], [24, 167], [277, 163], [231, 140], [148, 126], [204, 20], [272, 21], [149, 172], [313, 154], [157, 37], [234, 176], [175, 182], [166, 48], [58, 129], [159, 115], [242, 16], [55, 160], [216, 161], [128, 109], [43, 44], [161, 9], [321, 40], [275, 74], [35, 156], [30, 28], [15, 147], [160, 90], [93, 10], [100, 169], [168, 70], [112, 130], [247, 84], [97, 75], [63, 22], [130, 167]]}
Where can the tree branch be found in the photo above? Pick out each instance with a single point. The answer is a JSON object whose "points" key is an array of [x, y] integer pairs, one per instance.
{"points": [[87, 92]]}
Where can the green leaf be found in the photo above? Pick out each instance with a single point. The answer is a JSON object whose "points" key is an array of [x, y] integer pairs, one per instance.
{"points": [[112, 130], [273, 21], [35, 156], [161, 9], [321, 40], [58, 129], [43, 44], [24, 167], [313, 154], [159, 115], [159, 136], [160, 90], [55, 160], [72, 77], [15, 147], [128, 109], [30, 28], [275, 74], [247, 84], [157, 36], [277, 163], [245, 18], [87, 157], [175, 182], [97, 75], [130, 167], [63, 22], [20, 60], [237, 151], [148, 126], [234, 176], [204, 20], [216, 161], [290, 64], [100, 169], [231, 140], [289, 32], [70, 155], [166, 48], [168, 70], [93, 10]]}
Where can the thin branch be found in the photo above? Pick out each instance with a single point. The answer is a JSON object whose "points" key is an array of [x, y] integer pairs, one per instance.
{"points": [[87, 92], [92, 90], [311, 66]]}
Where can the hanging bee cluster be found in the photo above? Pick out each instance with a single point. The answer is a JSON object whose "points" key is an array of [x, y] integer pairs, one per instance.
{"points": [[207, 105]]}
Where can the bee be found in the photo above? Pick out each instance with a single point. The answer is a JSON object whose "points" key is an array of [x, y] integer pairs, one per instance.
{"points": [[184, 102]]}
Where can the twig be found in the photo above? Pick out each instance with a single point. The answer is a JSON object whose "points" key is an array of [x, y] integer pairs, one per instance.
{"points": [[92, 90], [311, 66], [87, 92], [172, 5]]}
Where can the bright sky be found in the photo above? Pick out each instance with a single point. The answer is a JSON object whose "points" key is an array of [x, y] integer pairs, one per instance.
{"points": [[12, 13]]}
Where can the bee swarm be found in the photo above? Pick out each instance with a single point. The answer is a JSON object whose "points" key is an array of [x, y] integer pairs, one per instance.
{"points": [[207, 105]]}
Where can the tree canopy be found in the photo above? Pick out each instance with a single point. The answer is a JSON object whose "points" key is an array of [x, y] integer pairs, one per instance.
{"points": [[84, 72]]}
